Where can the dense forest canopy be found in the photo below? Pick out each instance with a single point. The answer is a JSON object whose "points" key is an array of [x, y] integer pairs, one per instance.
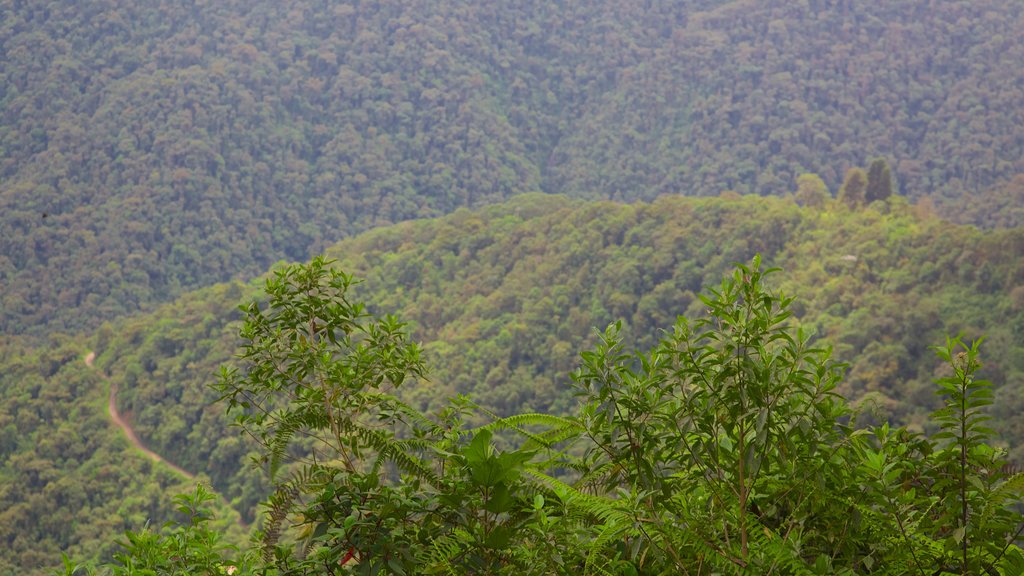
{"points": [[148, 148], [69, 482], [508, 177]]}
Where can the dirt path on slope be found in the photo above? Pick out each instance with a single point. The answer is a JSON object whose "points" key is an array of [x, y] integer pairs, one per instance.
{"points": [[124, 426]]}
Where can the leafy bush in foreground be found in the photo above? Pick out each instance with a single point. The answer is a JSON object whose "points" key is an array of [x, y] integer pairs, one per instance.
{"points": [[724, 450]]}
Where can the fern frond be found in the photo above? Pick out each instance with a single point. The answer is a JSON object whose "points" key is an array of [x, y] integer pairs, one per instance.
{"points": [[518, 421], [559, 428], [552, 437], [288, 424], [283, 502], [1012, 487], [444, 552], [580, 504], [407, 447], [609, 534], [388, 448]]}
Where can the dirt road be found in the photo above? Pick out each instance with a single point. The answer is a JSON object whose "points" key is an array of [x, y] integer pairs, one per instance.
{"points": [[132, 437]]}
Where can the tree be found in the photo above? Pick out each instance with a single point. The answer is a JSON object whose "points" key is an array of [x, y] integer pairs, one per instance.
{"points": [[811, 191], [707, 422], [369, 480], [961, 514], [316, 395], [880, 185], [852, 193]]}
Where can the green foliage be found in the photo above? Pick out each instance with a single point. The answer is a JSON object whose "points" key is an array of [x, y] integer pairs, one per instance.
{"points": [[171, 147], [854, 189], [489, 294], [503, 299], [811, 191], [187, 547], [316, 392], [955, 508], [150, 150], [184, 547], [69, 480], [711, 428], [725, 449], [880, 185], [374, 483]]}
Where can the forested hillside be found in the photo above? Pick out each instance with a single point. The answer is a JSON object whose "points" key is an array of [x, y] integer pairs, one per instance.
{"points": [[725, 449], [69, 482], [150, 148], [504, 299]]}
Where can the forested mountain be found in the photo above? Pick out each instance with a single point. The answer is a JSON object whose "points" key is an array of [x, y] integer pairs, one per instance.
{"points": [[503, 300], [148, 148]]}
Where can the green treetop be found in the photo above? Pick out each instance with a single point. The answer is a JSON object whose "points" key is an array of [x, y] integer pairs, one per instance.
{"points": [[852, 193], [880, 185]]}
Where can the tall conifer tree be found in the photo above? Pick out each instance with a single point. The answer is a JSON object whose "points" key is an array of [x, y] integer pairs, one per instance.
{"points": [[853, 191], [880, 185]]}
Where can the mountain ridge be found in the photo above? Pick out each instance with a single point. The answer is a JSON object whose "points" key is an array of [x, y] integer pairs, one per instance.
{"points": [[174, 146]]}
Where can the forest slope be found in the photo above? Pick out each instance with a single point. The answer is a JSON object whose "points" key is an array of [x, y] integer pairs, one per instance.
{"points": [[146, 149], [70, 482], [505, 298]]}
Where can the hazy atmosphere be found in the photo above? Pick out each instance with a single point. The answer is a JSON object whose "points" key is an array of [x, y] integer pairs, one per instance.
{"points": [[448, 287]]}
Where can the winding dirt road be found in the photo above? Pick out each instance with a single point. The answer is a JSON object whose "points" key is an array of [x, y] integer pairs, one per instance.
{"points": [[132, 437]]}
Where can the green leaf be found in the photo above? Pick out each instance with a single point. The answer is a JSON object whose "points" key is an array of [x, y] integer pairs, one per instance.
{"points": [[500, 500], [499, 538]]}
